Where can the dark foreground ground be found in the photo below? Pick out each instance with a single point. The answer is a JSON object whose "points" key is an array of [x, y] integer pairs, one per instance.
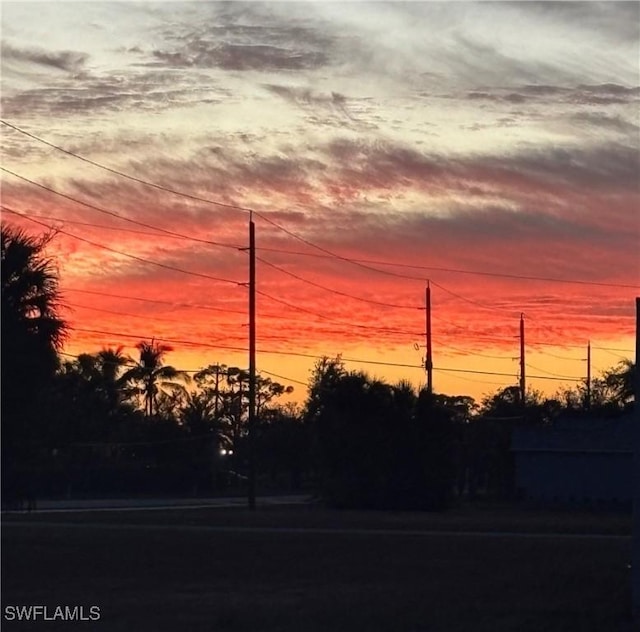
{"points": [[306, 569]]}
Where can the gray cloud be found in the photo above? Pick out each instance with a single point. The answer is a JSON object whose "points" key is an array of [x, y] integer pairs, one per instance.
{"points": [[69, 61], [605, 94], [305, 96], [384, 160], [149, 90], [584, 94], [348, 171], [245, 37], [608, 166], [240, 57], [309, 100], [607, 122]]}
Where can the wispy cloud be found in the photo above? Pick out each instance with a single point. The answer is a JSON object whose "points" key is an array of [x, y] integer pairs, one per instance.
{"points": [[68, 61]]}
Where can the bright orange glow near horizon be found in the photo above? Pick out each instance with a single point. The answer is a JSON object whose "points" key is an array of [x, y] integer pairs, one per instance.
{"points": [[475, 146]]}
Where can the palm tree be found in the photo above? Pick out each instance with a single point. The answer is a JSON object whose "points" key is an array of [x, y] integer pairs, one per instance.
{"points": [[32, 329], [111, 362], [404, 401], [100, 373], [32, 333], [150, 376], [198, 415]]}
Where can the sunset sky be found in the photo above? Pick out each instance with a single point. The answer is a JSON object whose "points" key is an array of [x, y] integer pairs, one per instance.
{"points": [[490, 148]]}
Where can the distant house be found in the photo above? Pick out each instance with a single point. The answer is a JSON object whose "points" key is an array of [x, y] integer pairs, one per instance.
{"points": [[581, 461]]}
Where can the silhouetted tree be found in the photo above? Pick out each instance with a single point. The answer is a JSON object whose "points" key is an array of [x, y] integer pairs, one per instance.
{"points": [[210, 382], [267, 390], [150, 376], [376, 445], [621, 381], [102, 373], [235, 398], [32, 328], [111, 363], [283, 446], [610, 394], [32, 333]]}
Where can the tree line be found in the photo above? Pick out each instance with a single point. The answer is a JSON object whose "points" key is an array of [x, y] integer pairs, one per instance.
{"points": [[107, 423]]}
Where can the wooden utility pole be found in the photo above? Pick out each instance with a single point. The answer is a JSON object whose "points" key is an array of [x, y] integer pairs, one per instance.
{"points": [[252, 364], [588, 398], [635, 546], [429, 359], [523, 384], [217, 392]]}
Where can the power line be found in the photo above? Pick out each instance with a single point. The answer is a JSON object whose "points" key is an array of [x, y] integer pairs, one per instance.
{"points": [[334, 291], [146, 316], [335, 320], [361, 263], [537, 377], [397, 264], [560, 357], [470, 379], [99, 209], [210, 242], [334, 255], [479, 336], [120, 313], [475, 372], [157, 301], [473, 302], [314, 356], [573, 346], [233, 311], [191, 343], [283, 377], [612, 353], [568, 377], [192, 197], [233, 348], [178, 235], [475, 353], [121, 253], [126, 175], [133, 231], [611, 349]]}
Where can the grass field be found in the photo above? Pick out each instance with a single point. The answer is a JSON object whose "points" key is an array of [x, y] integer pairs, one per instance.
{"points": [[474, 569]]}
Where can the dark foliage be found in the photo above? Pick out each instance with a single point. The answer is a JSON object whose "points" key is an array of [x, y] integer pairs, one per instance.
{"points": [[377, 446], [32, 333]]}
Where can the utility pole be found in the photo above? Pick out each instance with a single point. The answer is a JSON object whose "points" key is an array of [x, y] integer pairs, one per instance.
{"points": [[217, 392], [588, 400], [429, 360], [522, 365], [252, 363], [635, 546]]}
